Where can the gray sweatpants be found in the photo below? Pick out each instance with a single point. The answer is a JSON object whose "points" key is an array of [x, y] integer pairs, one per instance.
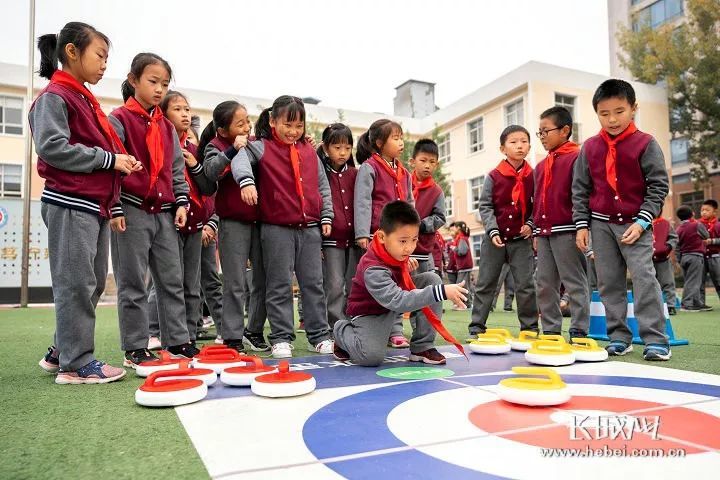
{"points": [[240, 242], [78, 244], [506, 281], [365, 337], [693, 267], [211, 285], [613, 260], [519, 254], [339, 266], [666, 278], [559, 261], [289, 250], [190, 247], [712, 268], [150, 240]]}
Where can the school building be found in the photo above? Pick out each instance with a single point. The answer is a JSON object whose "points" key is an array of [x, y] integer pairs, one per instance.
{"points": [[659, 13], [469, 131]]}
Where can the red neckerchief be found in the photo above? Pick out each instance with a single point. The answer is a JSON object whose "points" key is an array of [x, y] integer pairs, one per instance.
{"points": [[68, 81], [195, 194], [418, 185], [518, 191], [611, 157], [153, 138], [398, 174], [407, 284], [567, 147], [656, 221], [295, 163], [709, 224]]}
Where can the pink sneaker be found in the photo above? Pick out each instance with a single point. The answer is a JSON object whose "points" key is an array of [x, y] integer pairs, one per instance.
{"points": [[92, 373], [398, 341]]}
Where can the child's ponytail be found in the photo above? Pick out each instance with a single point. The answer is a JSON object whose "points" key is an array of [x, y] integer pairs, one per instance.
{"points": [[262, 126], [47, 44], [364, 148], [206, 137]]}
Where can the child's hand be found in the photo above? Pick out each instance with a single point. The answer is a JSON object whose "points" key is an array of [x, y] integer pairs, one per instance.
{"points": [[362, 243], [326, 229], [190, 160], [632, 234], [413, 264], [456, 293], [117, 224], [581, 239], [127, 164], [497, 241], [311, 140], [707, 241], [526, 231], [240, 142], [249, 195], [180, 217], [208, 236]]}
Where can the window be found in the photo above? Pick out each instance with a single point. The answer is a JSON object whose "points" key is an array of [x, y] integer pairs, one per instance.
{"points": [[444, 148], [475, 135], [657, 14], [568, 101], [693, 200], [682, 178], [11, 113], [476, 241], [449, 204], [514, 113], [10, 180], [679, 151], [475, 188]]}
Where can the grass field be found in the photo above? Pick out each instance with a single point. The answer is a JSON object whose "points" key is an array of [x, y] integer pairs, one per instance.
{"points": [[82, 432]]}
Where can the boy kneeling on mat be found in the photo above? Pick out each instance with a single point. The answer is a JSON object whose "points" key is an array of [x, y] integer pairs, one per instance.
{"points": [[383, 289]]}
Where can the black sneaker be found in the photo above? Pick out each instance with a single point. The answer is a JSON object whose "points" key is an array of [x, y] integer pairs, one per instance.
{"points": [[575, 333], [133, 358], [236, 345], [186, 350], [255, 342], [705, 308], [672, 311], [619, 348], [51, 361]]}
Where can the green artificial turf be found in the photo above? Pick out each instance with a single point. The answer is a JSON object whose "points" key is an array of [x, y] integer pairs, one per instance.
{"points": [[97, 431]]}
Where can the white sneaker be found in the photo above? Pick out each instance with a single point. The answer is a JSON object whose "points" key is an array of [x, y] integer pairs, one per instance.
{"points": [[282, 350], [325, 347], [218, 340], [154, 343], [208, 322]]}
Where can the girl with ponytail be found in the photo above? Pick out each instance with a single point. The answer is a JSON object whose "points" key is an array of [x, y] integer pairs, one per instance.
{"points": [[81, 159]]}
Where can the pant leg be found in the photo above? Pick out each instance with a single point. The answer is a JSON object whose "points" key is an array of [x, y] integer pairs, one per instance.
{"points": [[211, 284], [191, 252], [509, 284], [257, 311], [693, 269], [591, 274], [130, 257], [365, 338], [452, 278], [152, 310], [354, 255], [548, 286], [611, 279], [522, 269], [467, 278], [572, 268], [647, 297], [308, 271], [281, 241], [334, 267], [501, 281], [423, 336], [75, 240], [234, 245], [712, 265], [666, 278], [492, 260], [165, 262]]}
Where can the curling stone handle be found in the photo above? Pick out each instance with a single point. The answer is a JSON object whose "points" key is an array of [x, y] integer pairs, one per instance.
{"points": [[254, 359], [151, 379], [551, 376], [284, 366], [526, 335]]}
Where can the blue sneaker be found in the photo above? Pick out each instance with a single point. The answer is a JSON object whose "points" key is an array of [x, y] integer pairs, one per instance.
{"points": [[51, 361], [618, 348], [93, 372], [657, 352]]}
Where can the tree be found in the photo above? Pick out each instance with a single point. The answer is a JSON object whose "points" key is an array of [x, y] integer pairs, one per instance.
{"points": [[687, 58]]}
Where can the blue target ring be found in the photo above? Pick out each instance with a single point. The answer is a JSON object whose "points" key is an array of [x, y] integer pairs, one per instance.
{"points": [[358, 423]]}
